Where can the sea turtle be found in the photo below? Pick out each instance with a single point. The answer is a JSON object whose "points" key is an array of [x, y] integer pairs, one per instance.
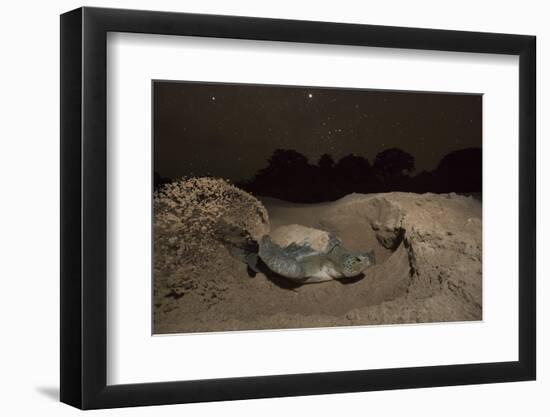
{"points": [[307, 255]]}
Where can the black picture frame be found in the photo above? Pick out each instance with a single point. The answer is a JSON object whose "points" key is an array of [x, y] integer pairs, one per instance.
{"points": [[84, 223]]}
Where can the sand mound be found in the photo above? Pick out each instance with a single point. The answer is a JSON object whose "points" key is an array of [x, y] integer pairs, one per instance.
{"points": [[428, 249], [441, 237], [195, 220]]}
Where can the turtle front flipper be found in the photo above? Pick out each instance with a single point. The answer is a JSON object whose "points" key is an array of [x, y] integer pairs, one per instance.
{"points": [[252, 263], [280, 262]]}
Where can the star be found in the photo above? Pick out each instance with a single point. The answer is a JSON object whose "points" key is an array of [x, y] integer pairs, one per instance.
{"points": [[310, 95], [213, 98]]}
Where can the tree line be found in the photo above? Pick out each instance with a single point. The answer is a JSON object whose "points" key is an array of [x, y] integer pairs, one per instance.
{"points": [[289, 175]]}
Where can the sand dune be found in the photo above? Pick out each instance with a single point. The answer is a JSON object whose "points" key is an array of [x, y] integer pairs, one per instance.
{"points": [[428, 251]]}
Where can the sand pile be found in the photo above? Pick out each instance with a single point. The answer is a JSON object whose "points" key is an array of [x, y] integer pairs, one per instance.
{"points": [[428, 249], [195, 220], [437, 238]]}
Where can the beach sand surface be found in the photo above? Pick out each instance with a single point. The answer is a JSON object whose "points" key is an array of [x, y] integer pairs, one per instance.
{"points": [[428, 269]]}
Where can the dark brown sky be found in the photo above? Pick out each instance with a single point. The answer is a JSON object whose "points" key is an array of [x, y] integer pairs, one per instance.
{"points": [[230, 130]]}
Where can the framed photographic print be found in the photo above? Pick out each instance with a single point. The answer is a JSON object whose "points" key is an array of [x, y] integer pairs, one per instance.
{"points": [[258, 207]]}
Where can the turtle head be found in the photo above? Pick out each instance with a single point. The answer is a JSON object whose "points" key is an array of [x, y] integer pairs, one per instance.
{"points": [[355, 263]]}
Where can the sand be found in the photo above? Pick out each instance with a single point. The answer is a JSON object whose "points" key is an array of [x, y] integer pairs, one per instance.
{"points": [[428, 252]]}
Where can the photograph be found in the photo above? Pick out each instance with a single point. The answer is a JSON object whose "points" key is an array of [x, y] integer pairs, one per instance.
{"points": [[235, 185], [292, 207]]}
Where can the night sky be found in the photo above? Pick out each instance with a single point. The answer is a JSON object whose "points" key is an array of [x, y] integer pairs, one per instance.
{"points": [[230, 130]]}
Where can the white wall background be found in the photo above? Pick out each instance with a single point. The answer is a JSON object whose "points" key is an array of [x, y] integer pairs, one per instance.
{"points": [[29, 237]]}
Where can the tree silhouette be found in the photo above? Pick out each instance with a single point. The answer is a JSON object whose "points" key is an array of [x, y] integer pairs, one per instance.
{"points": [[461, 171], [284, 163], [289, 176], [326, 163], [353, 168], [393, 163]]}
